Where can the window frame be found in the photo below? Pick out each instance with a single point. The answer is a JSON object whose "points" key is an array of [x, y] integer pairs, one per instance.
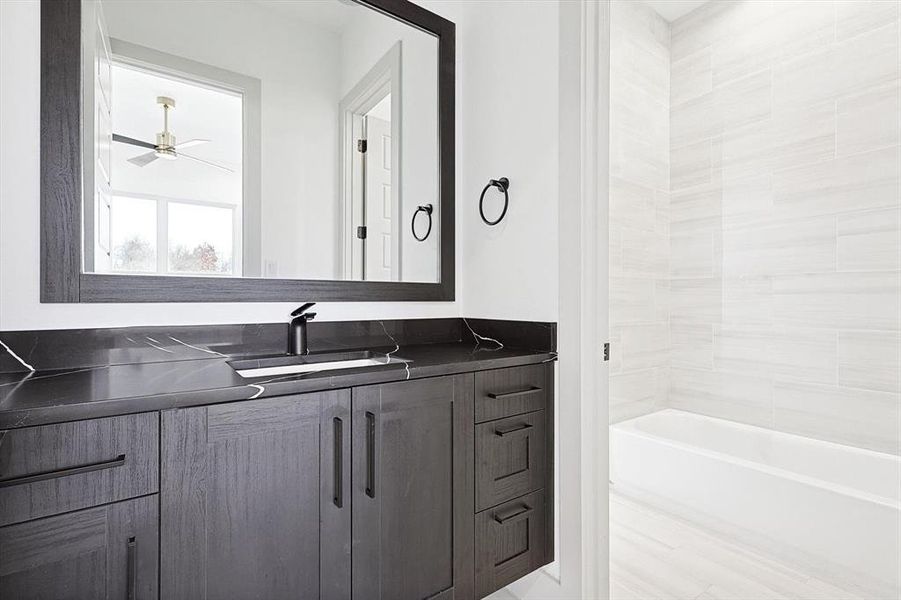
{"points": [[162, 234]]}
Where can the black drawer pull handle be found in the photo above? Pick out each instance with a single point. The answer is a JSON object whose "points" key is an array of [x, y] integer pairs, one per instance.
{"points": [[531, 390], [511, 430], [132, 575], [107, 464], [522, 510], [338, 472], [370, 454]]}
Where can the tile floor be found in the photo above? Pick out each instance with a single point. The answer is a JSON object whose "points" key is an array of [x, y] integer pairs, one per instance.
{"points": [[657, 556]]}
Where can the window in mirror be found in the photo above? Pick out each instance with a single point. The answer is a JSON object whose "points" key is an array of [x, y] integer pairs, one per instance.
{"points": [[289, 139], [194, 183], [133, 235], [201, 239]]}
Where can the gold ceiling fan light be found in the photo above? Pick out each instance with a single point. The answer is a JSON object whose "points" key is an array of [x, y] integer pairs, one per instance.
{"points": [[165, 140], [166, 146]]}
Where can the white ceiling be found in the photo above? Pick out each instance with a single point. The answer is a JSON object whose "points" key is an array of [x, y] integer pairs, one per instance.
{"points": [[331, 14], [673, 9]]}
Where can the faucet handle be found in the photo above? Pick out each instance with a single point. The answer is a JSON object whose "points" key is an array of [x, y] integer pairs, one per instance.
{"points": [[299, 311]]}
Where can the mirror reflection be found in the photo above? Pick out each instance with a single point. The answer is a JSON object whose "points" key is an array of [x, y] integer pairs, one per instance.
{"points": [[290, 139]]}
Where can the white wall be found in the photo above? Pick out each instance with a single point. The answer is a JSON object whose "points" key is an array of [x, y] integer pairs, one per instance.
{"points": [[510, 125], [506, 126]]}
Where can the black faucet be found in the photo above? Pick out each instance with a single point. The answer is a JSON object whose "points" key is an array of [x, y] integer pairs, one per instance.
{"points": [[297, 330]]}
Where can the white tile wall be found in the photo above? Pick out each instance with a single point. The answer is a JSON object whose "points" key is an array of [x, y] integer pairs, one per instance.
{"points": [[868, 241], [838, 301], [854, 17], [869, 120], [692, 344], [859, 417], [869, 360], [639, 210], [785, 228], [757, 267], [728, 395], [843, 184], [697, 208], [691, 77]]}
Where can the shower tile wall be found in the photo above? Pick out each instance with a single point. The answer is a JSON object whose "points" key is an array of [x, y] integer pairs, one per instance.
{"points": [[785, 218], [639, 210]]}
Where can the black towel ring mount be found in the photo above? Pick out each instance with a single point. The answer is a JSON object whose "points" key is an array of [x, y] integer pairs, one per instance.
{"points": [[427, 209], [503, 184]]}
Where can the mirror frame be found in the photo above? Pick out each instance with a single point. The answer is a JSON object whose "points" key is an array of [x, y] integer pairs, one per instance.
{"points": [[62, 279]]}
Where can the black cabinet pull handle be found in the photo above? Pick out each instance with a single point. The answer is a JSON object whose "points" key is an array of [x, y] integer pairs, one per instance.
{"points": [[370, 454], [107, 464], [132, 575], [338, 472], [510, 430], [518, 512], [526, 392]]}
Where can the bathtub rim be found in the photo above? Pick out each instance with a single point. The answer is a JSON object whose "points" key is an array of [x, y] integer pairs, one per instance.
{"points": [[628, 427]]}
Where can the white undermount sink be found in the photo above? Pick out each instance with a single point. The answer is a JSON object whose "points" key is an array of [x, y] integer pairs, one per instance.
{"points": [[311, 363]]}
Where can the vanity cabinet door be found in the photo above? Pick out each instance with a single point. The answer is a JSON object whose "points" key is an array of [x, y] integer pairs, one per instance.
{"points": [[413, 515], [108, 552], [252, 494]]}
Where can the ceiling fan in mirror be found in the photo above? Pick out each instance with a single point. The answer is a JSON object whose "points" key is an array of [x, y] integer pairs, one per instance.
{"points": [[165, 146]]}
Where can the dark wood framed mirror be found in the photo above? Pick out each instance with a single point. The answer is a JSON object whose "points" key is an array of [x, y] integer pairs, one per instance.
{"points": [[102, 187]]}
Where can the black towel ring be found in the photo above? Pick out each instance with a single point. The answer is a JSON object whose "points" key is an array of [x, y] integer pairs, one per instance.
{"points": [[427, 209], [502, 184]]}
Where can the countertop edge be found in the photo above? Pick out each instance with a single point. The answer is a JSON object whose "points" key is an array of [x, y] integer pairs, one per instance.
{"points": [[95, 409]]}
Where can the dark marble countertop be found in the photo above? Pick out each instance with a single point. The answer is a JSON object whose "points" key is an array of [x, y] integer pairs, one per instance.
{"points": [[52, 396]]}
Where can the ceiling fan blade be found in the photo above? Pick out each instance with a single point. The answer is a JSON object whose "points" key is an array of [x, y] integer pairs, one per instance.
{"points": [[127, 140], [206, 162], [190, 143], [142, 160]]}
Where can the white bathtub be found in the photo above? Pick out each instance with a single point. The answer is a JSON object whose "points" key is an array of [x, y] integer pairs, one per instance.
{"points": [[835, 508]]}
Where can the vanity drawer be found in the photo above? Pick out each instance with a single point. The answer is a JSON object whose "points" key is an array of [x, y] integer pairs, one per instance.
{"points": [[510, 458], [58, 468], [510, 542], [512, 391]]}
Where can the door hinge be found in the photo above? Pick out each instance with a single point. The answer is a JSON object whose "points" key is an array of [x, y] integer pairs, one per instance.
{"points": [[606, 351], [361, 232], [361, 146]]}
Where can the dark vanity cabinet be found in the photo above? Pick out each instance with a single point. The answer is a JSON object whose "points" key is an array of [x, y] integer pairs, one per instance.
{"points": [[271, 498], [413, 489], [422, 489], [513, 453], [252, 493], [78, 508]]}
